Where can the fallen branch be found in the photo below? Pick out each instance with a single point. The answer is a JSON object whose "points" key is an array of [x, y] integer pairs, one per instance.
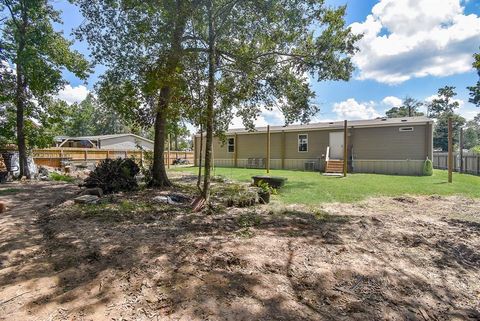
{"points": [[12, 298]]}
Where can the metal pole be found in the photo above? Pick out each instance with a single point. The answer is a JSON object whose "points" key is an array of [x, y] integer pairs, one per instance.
{"points": [[450, 149], [268, 148], [345, 149]]}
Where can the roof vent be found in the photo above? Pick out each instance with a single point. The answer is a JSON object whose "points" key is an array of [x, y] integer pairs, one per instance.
{"points": [[330, 123], [404, 120]]}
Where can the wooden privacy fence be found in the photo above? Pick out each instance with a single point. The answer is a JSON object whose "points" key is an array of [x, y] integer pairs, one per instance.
{"points": [[469, 163], [57, 157]]}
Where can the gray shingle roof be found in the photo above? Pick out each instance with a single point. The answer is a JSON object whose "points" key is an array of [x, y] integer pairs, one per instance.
{"points": [[98, 137], [378, 122]]}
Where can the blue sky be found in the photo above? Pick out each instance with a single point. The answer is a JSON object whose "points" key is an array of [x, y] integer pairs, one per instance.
{"points": [[410, 48]]}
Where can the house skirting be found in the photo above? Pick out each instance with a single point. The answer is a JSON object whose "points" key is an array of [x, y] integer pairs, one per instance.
{"points": [[378, 166], [395, 167]]}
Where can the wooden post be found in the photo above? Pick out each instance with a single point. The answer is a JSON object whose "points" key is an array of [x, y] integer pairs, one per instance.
{"points": [[235, 151], [213, 160], [268, 148], [283, 149], [345, 149], [478, 165], [450, 149], [108, 154], [461, 150], [168, 151], [194, 147], [85, 156]]}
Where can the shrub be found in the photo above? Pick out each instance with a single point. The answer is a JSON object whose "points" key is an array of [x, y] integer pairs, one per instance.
{"points": [[60, 177], [114, 175], [428, 168], [476, 149], [235, 195]]}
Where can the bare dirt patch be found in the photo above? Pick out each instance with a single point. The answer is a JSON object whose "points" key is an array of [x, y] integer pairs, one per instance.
{"points": [[411, 258]]}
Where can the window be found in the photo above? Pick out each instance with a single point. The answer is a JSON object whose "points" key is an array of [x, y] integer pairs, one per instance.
{"points": [[303, 143], [231, 145], [406, 129]]}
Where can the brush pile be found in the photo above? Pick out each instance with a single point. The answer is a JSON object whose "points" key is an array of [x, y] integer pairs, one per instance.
{"points": [[114, 175]]}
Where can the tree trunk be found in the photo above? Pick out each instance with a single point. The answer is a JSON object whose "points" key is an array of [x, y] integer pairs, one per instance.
{"points": [[159, 174], [199, 178], [20, 97], [209, 107]]}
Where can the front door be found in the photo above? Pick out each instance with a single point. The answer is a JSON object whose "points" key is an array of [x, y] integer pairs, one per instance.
{"points": [[336, 145]]}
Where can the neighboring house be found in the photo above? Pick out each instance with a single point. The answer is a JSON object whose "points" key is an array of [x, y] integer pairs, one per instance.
{"points": [[382, 145], [114, 142]]}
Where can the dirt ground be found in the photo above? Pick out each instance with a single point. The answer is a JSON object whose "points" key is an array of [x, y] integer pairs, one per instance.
{"points": [[408, 258]]}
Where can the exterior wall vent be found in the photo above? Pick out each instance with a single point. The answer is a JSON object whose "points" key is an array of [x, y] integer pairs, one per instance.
{"points": [[406, 129]]}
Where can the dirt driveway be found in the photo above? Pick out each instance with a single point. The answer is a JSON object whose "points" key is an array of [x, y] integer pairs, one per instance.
{"points": [[381, 259]]}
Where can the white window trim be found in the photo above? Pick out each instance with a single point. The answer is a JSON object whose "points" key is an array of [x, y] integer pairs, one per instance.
{"points": [[234, 143], [298, 143], [406, 129]]}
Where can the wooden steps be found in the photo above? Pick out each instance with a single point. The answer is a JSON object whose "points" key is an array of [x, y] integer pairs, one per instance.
{"points": [[334, 166]]}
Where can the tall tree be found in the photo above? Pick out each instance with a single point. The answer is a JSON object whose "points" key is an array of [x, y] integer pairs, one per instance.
{"points": [[39, 54], [443, 103], [409, 108], [440, 134], [262, 54], [143, 44], [441, 108], [89, 117], [470, 137], [475, 90]]}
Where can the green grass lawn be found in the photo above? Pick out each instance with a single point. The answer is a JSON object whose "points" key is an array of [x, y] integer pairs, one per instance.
{"points": [[313, 188]]}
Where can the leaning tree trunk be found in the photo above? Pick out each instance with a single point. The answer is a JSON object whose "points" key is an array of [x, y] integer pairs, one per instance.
{"points": [[209, 107], [199, 178], [159, 174]]}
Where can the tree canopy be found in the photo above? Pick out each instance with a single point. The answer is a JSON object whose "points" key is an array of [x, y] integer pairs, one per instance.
{"points": [[409, 108], [34, 56], [475, 90]]}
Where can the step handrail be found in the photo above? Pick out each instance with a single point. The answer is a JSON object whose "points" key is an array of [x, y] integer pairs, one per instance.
{"points": [[327, 155]]}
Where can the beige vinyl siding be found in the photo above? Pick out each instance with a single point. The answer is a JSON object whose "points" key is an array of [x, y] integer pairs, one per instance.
{"points": [[317, 144], [252, 145], [389, 143]]}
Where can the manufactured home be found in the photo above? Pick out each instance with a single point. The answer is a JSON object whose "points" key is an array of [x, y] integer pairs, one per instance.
{"points": [[383, 145], [114, 141]]}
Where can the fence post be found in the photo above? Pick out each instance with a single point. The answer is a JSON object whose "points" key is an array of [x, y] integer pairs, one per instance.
{"points": [[450, 149], [461, 150]]}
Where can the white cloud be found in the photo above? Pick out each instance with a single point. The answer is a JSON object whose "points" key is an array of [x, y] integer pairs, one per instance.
{"points": [[267, 117], [404, 39], [73, 94], [392, 101], [351, 109]]}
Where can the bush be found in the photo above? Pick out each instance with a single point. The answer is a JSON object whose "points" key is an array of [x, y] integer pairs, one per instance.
{"points": [[60, 177], [428, 168], [114, 175], [476, 149]]}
